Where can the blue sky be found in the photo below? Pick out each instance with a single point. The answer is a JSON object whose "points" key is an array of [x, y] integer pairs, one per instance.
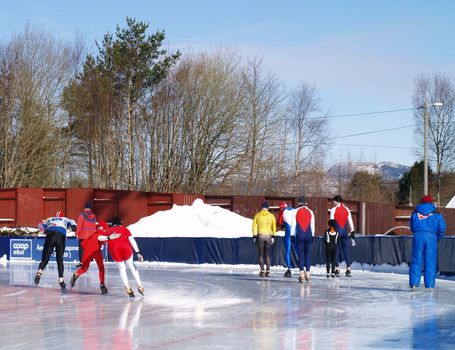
{"points": [[362, 56]]}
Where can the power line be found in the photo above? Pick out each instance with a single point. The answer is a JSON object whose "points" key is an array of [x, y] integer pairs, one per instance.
{"points": [[361, 114], [373, 146], [368, 113], [374, 132]]}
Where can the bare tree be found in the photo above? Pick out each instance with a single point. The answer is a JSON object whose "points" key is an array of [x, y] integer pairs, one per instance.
{"points": [[262, 97], [428, 90], [193, 127], [33, 70], [308, 132]]}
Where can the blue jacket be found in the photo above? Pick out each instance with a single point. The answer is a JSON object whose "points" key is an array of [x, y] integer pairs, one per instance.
{"points": [[426, 218]]}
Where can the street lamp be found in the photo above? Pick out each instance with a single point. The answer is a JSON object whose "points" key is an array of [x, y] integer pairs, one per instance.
{"points": [[426, 124]]}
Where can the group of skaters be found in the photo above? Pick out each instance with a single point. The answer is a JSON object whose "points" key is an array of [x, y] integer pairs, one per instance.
{"points": [[92, 235], [426, 223], [299, 228]]}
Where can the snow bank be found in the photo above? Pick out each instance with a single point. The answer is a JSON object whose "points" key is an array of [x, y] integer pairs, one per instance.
{"points": [[196, 220]]}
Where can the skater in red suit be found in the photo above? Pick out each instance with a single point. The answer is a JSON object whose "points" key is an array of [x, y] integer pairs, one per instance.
{"points": [[92, 250], [121, 251], [86, 226]]}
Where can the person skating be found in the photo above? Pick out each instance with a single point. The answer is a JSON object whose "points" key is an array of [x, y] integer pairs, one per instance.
{"points": [[302, 229], [55, 230], [428, 227], [285, 217], [121, 251], [264, 228], [92, 250], [331, 242], [345, 228], [86, 226]]}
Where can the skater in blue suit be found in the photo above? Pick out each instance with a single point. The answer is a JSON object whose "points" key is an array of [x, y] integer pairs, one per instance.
{"points": [[428, 227], [285, 217]]}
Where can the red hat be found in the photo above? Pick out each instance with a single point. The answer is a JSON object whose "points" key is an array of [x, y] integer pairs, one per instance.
{"points": [[283, 205], [102, 225], [427, 199], [59, 214]]}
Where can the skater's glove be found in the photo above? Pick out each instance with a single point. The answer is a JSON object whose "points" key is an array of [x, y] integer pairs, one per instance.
{"points": [[255, 239], [292, 239], [352, 234], [139, 256], [114, 235], [353, 242], [73, 228], [272, 240]]}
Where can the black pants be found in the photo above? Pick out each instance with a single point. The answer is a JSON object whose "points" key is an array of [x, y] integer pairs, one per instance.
{"points": [[57, 240], [330, 258], [264, 244]]}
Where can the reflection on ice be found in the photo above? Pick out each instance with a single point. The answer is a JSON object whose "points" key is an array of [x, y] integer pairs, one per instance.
{"points": [[223, 307]]}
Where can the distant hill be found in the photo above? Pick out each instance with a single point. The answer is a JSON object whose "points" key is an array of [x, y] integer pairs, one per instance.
{"points": [[388, 170]]}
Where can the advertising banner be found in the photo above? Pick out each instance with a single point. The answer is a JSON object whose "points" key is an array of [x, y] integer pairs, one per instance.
{"points": [[32, 249]]}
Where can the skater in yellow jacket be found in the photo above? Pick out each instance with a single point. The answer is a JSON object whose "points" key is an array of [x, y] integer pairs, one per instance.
{"points": [[264, 228]]}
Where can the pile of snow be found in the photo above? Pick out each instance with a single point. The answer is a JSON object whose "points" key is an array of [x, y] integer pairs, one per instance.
{"points": [[18, 231], [196, 220], [451, 203]]}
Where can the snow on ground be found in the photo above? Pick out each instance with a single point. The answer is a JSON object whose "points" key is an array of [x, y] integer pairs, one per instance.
{"points": [[196, 220]]}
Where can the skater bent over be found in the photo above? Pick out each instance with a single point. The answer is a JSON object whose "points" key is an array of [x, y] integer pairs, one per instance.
{"points": [[55, 230], [121, 251], [428, 227], [92, 250], [264, 228], [345, 228], [285, 218], [331, 241], [303, 230]]}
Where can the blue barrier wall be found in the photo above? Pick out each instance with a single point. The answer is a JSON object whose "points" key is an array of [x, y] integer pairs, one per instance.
{"points": [[369, 250]]}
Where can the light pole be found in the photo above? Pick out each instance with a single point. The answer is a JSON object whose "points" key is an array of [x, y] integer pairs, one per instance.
{"points": [[426, 124]]}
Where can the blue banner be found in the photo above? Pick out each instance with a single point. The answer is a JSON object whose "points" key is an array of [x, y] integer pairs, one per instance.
{"points": [[32, 249]]}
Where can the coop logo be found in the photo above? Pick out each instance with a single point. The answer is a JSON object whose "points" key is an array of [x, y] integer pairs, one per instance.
{"points": [[20, 249]]}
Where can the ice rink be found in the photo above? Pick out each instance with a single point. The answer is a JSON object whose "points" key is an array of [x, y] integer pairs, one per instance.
{"points": [[223, 307]]}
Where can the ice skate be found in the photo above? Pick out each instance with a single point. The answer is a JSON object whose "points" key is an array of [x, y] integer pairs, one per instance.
{"points": [[262, 273], [301, 276], [74, 278], [307, 276], [287, 273], [140, 290], [130, 292], [62, 285], [103, 288], [337, 273], [348, 272], [332, 274], [267, 273], [38, 276], [327, 275]]}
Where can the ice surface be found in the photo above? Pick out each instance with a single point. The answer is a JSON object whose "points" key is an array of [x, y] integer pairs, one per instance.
{"points": [[223, 307]]}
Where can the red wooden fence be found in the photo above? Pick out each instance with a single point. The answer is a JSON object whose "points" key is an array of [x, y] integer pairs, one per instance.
{"points": [[22, 207]]}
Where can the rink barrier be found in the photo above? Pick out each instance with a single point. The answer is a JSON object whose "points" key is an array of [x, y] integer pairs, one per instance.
{"points": [[372, 250]]}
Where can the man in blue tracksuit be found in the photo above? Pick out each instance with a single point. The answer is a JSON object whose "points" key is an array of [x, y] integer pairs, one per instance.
{"points": [[285, 218], [303, 229], [428, 227]]}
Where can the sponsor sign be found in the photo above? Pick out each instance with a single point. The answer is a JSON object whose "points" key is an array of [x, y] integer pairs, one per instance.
{"points": [[20, 249], [71, 252]]}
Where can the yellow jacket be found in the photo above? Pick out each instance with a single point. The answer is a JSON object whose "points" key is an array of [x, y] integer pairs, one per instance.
{"points": [[264, 223]]}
